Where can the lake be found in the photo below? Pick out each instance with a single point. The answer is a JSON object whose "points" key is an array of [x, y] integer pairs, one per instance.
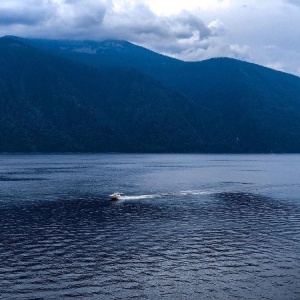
{"points": [[189, 226]]}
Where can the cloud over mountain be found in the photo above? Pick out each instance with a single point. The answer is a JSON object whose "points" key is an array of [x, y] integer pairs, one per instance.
{"points": [[190, 31]]}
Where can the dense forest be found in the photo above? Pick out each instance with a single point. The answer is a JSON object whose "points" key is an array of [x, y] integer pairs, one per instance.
{"points": [[61, 96]]}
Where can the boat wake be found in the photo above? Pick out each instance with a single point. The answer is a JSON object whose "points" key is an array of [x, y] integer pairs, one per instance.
{"points": [[165, 195]]}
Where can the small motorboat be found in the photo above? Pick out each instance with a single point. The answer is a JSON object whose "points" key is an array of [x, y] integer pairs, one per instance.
{"points": [[116, 196]]}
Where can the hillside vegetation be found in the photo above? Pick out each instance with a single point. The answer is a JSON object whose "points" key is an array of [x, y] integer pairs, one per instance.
{"points": [[116, 96]]}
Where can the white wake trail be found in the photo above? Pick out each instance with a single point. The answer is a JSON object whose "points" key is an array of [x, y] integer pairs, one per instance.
{"points": [[166, 195]]}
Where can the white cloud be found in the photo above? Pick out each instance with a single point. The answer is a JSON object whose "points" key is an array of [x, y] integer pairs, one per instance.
{"points": [[217, 27], [169, 7], [241, 52], [276, 66]]}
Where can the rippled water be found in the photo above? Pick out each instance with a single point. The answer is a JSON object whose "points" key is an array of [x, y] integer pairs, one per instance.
{"points": [[188, 227]]}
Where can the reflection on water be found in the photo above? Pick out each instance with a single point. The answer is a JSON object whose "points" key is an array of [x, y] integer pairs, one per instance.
{"points": [[207, 232]]}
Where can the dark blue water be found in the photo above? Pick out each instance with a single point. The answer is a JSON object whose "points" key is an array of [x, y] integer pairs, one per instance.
{"points": [[189, 227]]}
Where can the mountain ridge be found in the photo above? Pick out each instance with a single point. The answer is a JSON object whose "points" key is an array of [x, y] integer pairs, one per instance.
{"points": [[147, 102]]}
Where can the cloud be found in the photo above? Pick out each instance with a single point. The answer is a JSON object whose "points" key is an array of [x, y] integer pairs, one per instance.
{"points": [[51, 18], [276, 66], [29, 13], [170, 35], [184, 35], [217, 27], [294, 2], [276, 58], [140, 20], [241, 52], [189, 30], [84, 14], [91, 19]]}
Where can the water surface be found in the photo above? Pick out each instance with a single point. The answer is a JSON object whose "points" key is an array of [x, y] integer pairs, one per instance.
{"points": [[189, 227]]}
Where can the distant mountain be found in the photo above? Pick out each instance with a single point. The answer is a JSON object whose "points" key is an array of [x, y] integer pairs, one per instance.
{"points": [[116, 96]]}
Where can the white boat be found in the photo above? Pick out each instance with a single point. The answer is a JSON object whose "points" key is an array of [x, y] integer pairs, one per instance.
{"points": [[116, 196]]}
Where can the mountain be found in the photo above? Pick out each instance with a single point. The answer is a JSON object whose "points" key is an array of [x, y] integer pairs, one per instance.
{"points": [[116, 96], [257, 107], [53, 104]]}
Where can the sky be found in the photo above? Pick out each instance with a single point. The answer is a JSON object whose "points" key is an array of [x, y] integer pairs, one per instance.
{"points": [[265, 32]]}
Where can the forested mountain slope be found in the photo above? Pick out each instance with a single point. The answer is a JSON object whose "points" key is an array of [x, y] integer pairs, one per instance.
{"points": [[116, 96], [52, 104]]}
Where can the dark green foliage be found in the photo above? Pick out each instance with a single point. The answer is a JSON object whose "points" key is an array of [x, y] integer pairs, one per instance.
{"points": [[115, 96], [52, 104]]}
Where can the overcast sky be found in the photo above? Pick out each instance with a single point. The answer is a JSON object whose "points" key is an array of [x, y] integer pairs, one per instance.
{"points": [[265, 32]]}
